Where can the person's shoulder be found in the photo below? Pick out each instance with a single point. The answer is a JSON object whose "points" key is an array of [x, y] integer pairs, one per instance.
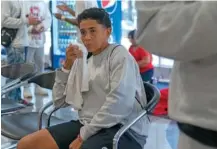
{"points": [[117, 49], [139, 47], [120, 53], [142, 50]]}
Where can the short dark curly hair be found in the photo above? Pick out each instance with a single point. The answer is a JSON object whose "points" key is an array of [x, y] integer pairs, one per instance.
{"points": [[98, 14], [131, 34]]}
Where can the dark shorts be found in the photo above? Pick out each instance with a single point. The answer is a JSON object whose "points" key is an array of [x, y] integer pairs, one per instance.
{"points": [[147, 75], [65, 133], [202, 135]]}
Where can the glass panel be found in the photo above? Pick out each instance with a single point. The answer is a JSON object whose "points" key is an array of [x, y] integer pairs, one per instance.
{"points": [[155, 61], [165, 62]]}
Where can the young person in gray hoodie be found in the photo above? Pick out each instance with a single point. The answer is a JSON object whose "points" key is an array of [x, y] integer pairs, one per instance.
{"points": [[114, 82], [186, 32], [13, 16]]}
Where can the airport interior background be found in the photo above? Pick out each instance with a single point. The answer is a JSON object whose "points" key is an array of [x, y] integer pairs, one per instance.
{"points": [[163, 131]]}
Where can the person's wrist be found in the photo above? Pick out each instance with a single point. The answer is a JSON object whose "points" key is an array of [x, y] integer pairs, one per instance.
{"points": [[67, 65], [80, 139], [64, 70]]}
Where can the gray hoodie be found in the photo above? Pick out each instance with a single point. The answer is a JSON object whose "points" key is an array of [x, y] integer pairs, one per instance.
{"points": [[10, 11], [185, 32]]}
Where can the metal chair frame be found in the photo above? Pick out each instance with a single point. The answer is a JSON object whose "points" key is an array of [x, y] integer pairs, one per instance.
{"points": [[155, 96]]}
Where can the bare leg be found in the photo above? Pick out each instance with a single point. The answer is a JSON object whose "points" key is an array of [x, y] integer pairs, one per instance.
{"points": [[38, 140], [54, 137]]}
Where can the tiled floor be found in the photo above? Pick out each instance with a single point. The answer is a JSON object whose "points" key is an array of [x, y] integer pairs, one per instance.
{"points": [[163, 132]]}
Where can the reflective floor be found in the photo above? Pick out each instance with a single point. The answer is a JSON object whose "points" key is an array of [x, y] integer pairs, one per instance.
{"points": [[163, 133]]}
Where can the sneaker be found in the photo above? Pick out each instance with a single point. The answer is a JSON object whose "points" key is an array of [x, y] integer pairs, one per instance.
{"points": [[40, 91], [27, 93], [25, 102]]}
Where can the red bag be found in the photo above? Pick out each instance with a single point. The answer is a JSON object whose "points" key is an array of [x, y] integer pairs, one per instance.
{"points": [[162, 106]]}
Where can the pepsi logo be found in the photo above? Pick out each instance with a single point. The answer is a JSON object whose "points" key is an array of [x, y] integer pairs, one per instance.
{"points": [[109, 5]]}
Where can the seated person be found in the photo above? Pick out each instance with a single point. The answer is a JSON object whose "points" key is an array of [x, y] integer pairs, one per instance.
{"points": [[142, 57], [114, 82]]}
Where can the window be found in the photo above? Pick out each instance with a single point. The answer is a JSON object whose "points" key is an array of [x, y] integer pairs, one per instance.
{"points": [[165, 62]]}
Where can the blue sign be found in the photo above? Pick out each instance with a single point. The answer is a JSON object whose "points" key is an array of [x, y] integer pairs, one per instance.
{"points": [[113, 7]]}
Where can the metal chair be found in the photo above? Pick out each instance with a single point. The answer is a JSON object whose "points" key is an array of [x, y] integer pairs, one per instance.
{"points": [[17, 125], [19, 73], [153, 96]]}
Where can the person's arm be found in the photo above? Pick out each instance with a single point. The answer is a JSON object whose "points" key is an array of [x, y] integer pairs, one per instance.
{"points": [[64, 7], [72, 52], [7, 20], [145, 57], [120, 100], [72, 21], [61, 79], [63, 18], [184, 31], [145, 61], [72, 12]]}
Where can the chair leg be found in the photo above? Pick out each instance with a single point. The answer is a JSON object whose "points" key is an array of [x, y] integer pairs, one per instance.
{"points": [[13, 146], [13, 112]]}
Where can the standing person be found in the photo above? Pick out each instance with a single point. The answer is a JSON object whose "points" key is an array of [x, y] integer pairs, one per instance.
{"points": [[142, 57], [36, 33], [186, 32], [13, 16]]}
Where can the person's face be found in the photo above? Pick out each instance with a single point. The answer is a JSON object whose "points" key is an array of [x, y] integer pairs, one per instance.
{"points": [[132, 41], [93, 34]]}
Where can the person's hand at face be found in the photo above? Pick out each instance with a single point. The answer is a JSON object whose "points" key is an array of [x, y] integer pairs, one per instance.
{"points": [[72, 53], [76, 144]]}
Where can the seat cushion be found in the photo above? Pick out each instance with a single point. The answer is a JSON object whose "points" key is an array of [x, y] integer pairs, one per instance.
{"points": [[10, 106], [16, 126]]}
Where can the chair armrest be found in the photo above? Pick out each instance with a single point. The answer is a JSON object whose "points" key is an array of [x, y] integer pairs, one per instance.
{"points": [[13, 82], [154, 100], [125, 128], [5, 90], [149, 107], [54, 109], [16, 83], [41, 111]]}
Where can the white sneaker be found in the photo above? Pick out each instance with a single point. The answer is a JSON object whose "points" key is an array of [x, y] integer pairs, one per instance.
{"points": [[40, 91], [27, 93]]}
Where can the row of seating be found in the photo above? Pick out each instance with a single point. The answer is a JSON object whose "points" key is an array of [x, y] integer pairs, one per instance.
{"points": [[16, 125]]}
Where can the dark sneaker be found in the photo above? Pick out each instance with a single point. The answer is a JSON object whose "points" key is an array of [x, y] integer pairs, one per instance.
{"points": [[25, 102]]}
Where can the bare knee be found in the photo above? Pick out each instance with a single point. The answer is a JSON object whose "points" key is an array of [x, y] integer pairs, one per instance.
{"points": [[25, 143], [37, 141]]}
